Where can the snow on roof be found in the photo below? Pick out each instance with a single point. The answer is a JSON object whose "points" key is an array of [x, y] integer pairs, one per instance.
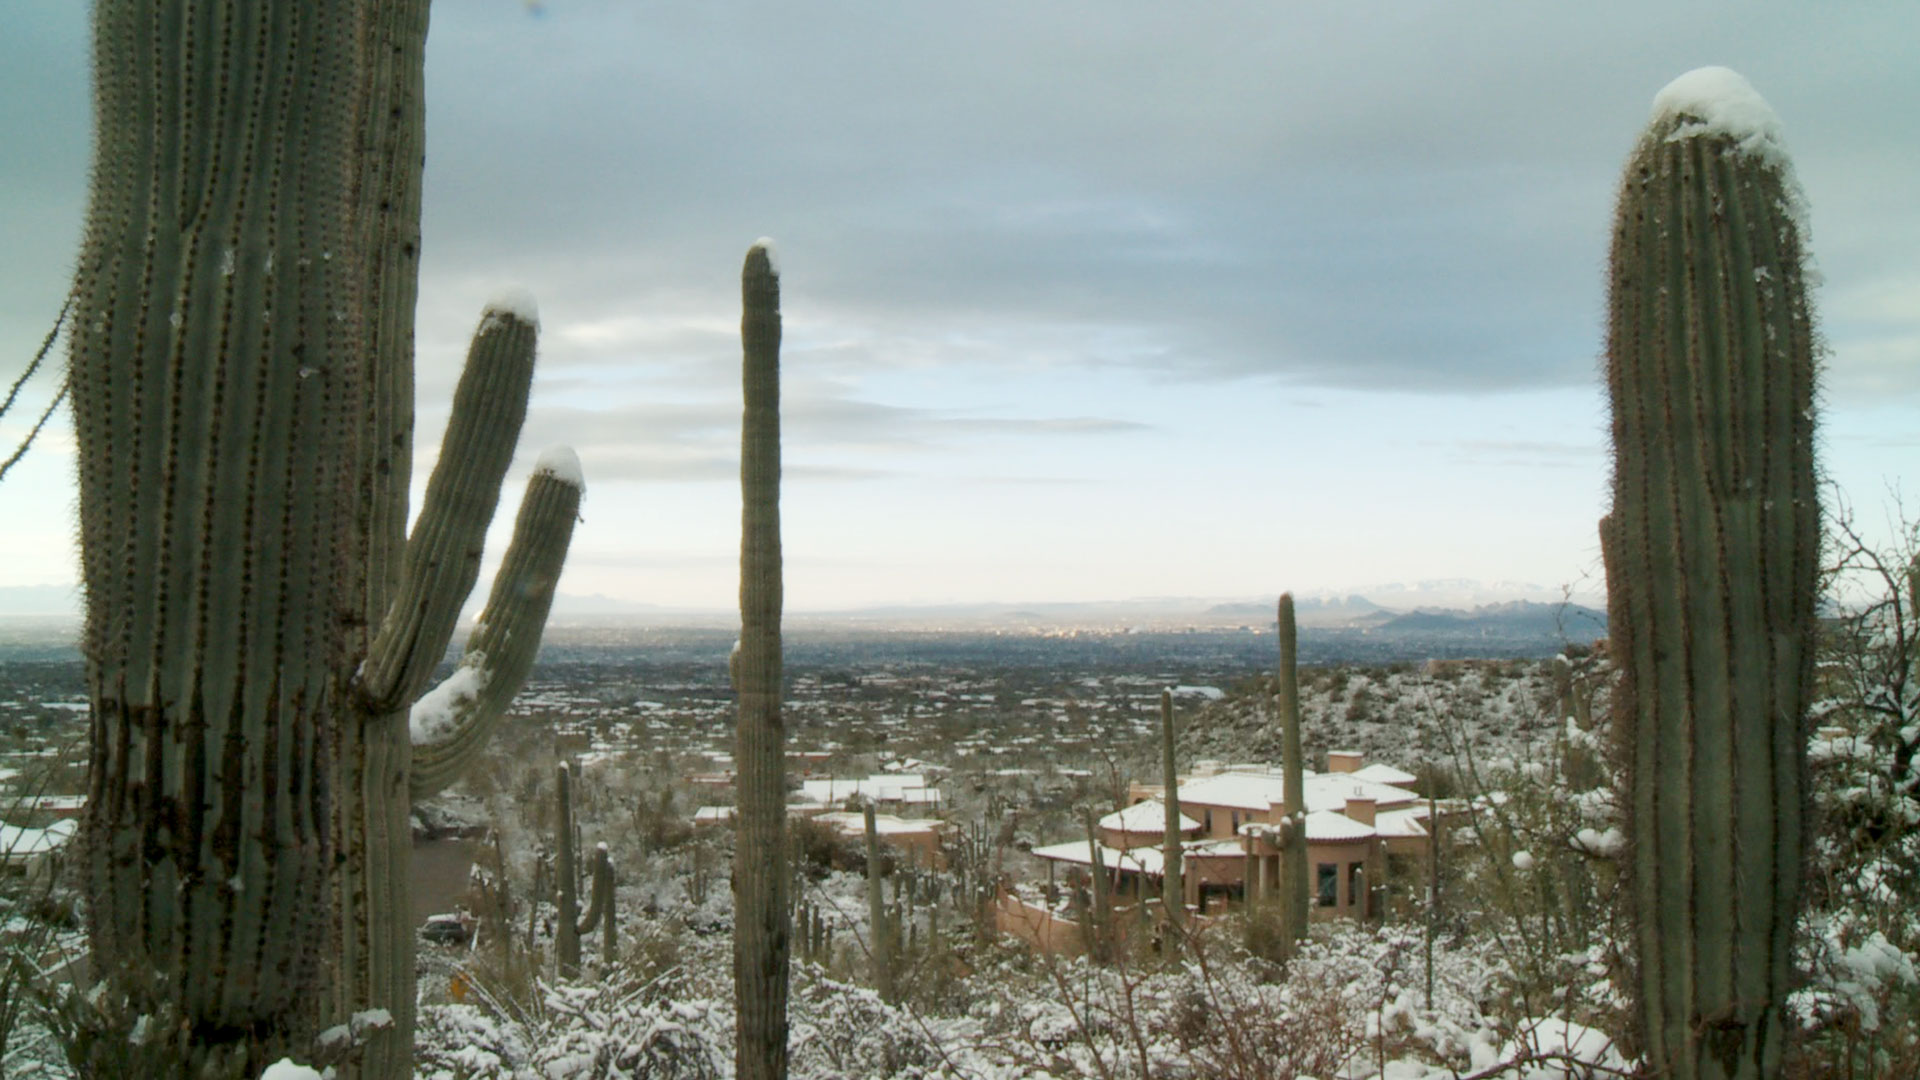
{"points": [[883, 824], [906, 788], [1326, 826], [1330, 791], [18, 843], [1209, 693], [1217, 849], [714, 814], [1258, 790], [1244, 791], [1145, 817], [1143, 860], [1401, 823], [1385, 774]]}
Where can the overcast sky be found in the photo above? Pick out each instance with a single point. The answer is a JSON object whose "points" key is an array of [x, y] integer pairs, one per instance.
{"points": [[1083, 300]]}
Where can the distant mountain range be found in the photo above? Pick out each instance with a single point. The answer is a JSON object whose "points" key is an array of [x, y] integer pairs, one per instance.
{"points": [[1424, 608]]}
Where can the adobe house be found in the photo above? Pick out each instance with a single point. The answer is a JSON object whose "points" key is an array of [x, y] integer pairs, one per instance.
{"points": [[1365, 829], [917, 839]]}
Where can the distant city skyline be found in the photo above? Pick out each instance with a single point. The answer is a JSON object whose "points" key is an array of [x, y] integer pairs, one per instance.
{"points": [[1083, 301]]}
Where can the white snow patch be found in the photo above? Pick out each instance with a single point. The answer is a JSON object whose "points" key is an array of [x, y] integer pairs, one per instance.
{"points": [[286, 1069], [434, 715], [766, 244], [517, 304], [1523, 860], [1594, 842], [1204, 693], [561, 463], [1719, 101]]}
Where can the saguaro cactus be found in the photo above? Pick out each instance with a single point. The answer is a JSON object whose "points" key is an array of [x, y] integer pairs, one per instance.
{"points": [[879, 933], [1711, 552], [1172, 893], [1294, 899], [215, 374], [572, 921], [396, 743], [761, 915], [244, 397]]}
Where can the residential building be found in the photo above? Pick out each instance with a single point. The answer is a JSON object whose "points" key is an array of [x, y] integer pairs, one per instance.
{"points": [[1365, 827]]}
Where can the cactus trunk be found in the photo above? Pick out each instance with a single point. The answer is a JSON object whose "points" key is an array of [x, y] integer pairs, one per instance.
{"points": [[1172, 894], [566, 873], [878, 933], [1711, 551], [214, 375], [1294, 898], [760, 941]]}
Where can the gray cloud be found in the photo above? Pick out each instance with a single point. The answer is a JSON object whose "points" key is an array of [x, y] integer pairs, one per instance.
{"points": [[654, 441], [1365, 195]]}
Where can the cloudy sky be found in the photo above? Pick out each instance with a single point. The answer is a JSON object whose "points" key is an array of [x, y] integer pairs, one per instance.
{"points": [[1083, 300]]}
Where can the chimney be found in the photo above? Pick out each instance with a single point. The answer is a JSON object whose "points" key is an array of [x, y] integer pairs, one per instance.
{"points": [[1360, 809], [1341, 761]]}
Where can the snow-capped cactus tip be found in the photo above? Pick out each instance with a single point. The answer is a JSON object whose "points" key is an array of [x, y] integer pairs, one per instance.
{"points": [[765, 244], [561, 463], [517, 304], [1720, 101]]}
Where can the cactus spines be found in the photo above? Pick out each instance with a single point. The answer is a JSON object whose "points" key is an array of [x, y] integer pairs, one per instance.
{"points": [[1711, 552], [878, 932], [1293, 833], [760, 942], [1172, 894], [214, 390]]}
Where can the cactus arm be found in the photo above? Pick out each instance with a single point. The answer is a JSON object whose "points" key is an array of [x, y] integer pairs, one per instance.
{"points": [[1712, 553], [597, 898], [443, 556], [761, 947], [451, 725]]}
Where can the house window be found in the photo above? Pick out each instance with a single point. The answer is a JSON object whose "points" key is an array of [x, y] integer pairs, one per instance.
{"points": [[1329, 881], [1209, 821], [1236, 821]]}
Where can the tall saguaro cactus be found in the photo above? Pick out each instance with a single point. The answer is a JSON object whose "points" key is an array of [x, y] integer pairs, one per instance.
{"points": [[259, 624], [1711, 552], [879, 933], [215, 380], [760, 936], [1293, 831], [1172, 889]]}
